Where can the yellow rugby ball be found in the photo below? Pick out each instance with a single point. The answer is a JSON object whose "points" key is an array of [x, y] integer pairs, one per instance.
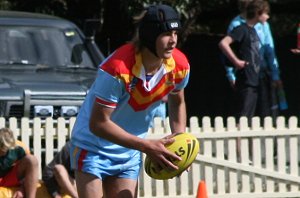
{"points": [[186, 146]]}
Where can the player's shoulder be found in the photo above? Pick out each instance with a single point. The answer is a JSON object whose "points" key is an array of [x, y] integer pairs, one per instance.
{"points": [[180, 59], [120, 60], [124, 50], [123, 54]]}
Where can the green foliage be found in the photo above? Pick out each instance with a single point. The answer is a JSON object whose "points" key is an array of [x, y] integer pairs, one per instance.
{"points": [[5, 5], [201, 16], [54, 7]]}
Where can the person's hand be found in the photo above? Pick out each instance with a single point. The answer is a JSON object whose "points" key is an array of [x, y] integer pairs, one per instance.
{"points": [[171, 136], [295, 51], [18, 194], [240, 64], [188, 168], [160, 156]]}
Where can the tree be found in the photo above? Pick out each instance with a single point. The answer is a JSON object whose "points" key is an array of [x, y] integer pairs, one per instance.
{"points": [[198, 16]]}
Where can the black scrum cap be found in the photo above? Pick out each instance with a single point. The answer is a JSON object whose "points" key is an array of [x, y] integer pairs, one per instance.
{"points": [[158, 19]]}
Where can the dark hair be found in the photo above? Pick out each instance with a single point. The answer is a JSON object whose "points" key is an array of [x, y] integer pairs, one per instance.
{"points": [[257, 7], [242, 5], [135, 39]]}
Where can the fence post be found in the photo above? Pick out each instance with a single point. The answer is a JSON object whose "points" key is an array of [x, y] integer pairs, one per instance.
{"points": [[207, 151]]}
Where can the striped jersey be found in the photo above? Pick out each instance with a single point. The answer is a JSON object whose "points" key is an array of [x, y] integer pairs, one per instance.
{"points": [[121, 84]]}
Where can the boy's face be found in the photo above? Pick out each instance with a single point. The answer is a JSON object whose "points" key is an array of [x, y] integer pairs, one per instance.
{"points": [[165, 44], [263, 17]]}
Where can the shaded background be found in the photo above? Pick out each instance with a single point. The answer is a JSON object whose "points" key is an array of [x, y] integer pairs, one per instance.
{"points": [[204, 22]]}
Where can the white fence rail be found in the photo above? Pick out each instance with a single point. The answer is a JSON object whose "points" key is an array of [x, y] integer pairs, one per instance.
{"points": [[265, 162]]}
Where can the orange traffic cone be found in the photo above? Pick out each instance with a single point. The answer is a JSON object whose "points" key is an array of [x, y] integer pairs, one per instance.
{"points": [[202, 193]]}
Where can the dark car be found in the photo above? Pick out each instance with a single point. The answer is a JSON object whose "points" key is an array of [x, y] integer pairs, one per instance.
{"points": [[47, 65]]}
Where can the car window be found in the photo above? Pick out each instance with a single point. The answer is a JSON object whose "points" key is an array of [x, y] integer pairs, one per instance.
{"points": [[42, 45]]}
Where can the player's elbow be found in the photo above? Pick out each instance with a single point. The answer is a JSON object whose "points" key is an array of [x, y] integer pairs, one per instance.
{"points": [[94, 127], [97, 127], [221, 45]]}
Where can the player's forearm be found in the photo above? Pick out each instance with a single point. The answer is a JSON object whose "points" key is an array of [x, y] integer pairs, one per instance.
{"points": [[177, 113], [112, 132], [178, 120]]}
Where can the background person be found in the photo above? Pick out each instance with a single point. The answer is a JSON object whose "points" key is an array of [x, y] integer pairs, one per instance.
{"points": [[18, 168], [269, 77], [109, 134], [246, 59], [58, 177]]}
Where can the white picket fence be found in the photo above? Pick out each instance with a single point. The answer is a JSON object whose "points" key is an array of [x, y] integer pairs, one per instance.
{"points": [[268, 164]]}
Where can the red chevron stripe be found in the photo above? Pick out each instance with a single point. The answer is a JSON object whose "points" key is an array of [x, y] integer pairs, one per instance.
{"points": [[106, 103]]}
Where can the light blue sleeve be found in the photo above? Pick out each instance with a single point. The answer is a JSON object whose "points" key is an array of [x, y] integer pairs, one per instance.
{"points": [[230, 73], [237, 21], [108, 87], [269, 50]]}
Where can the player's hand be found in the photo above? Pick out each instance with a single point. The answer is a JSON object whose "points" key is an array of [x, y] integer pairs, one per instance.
{"points": [[161, 157], [171, 136]]}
